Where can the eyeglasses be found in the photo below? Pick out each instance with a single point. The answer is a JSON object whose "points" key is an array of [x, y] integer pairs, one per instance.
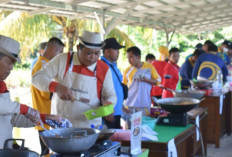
{"points": [[91, 52]]}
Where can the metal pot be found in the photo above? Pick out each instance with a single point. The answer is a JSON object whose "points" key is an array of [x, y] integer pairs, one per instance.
{"points": [[178, 104], [21, 152], [105, 134], [71, 140], [197, 94]]}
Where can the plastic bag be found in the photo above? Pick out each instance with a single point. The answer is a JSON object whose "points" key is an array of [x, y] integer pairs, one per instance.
{"points": [[65, 123]]}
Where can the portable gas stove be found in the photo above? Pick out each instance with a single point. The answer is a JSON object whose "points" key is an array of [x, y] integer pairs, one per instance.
{"points": [[106, 149], [181, 119], [177, 108]]}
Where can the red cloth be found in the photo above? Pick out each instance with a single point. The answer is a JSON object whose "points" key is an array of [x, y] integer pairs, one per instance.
{"points": [[23, 109], [173, 70], [159, 66], [3, 88], [52, 86], [42, 116]]}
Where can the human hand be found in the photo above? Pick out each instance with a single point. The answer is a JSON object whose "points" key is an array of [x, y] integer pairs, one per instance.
{"points": [[143, 79], [34, 116], [110, 118], [107, 103], [64, 92], [125, 110]]}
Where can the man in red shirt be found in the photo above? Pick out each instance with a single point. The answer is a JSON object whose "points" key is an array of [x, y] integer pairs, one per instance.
{"points": [[156, 90], [171, 73]]}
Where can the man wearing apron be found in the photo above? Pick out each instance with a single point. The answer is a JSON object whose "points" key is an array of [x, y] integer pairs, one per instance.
{"points": [[12, 113], [81, 81], [139, 77]]}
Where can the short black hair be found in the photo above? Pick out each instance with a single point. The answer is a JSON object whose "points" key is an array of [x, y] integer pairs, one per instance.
{"points": [[135, 50], [208, 42], [173, 50], [198, 46], [55, 40], [198, 52], [149, 56], [212, 47]]}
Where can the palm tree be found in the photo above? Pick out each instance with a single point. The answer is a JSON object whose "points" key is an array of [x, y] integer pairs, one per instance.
{"points": [[73, 28], [28, 30]]}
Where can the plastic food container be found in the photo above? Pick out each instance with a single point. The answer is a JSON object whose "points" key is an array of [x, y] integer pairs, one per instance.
{"points": [[101, 111]]}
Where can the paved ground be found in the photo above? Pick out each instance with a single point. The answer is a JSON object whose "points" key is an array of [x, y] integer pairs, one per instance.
{"points": [[225, 149]]}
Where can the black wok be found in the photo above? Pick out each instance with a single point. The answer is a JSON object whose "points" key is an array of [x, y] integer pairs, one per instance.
{"points": [[21, 152], [178, 104], [105, 134], [71, 140]]}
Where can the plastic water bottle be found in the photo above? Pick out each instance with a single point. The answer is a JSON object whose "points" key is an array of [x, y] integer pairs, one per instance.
{"points": [[219, 78], [217, 85]]}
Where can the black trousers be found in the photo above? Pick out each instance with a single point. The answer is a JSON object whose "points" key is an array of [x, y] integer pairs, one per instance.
{"points": [[116, 124], [44, 148]]}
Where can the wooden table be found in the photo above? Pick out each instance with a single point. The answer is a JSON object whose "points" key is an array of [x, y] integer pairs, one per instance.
{"points": [[184, 144], [202, 113], [217, 123]]}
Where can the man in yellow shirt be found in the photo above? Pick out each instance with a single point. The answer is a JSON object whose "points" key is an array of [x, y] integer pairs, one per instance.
{"points": [[139, 77], [41, 100]]}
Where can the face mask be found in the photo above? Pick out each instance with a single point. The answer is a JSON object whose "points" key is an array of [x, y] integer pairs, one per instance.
{"points": [[225, 49]]}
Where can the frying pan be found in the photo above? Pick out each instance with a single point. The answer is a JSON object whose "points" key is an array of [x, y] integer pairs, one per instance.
{"points": [[202, 84], [105, 134], [197, 94], [70, 140], [177, 104]]}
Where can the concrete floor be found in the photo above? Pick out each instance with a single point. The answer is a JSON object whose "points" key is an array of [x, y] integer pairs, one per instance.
{"points": [[225, 149]]}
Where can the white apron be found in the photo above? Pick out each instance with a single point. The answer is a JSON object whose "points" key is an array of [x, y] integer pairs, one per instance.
{"points": [[139, 92], [85, 91]]}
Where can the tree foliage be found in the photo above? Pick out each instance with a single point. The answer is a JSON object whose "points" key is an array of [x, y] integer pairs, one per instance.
{"points": [[28, 30]]}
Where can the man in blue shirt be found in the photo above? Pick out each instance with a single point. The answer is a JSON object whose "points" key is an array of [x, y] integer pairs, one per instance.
{"points": [[209, 64], [187, 68], [110, 56], [223, 50]]}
